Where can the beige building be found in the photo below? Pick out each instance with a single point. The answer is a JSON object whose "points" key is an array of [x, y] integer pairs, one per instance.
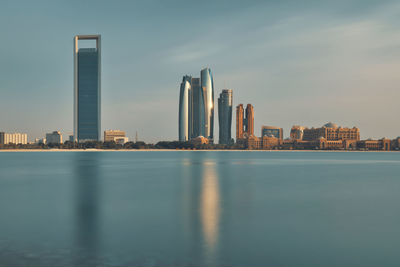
{"points": [[329, 136], [200, 140], [382, 144], [14, 138], [266, 142], [117, 136], [297, 132], [272, 131], [244, 125], [331, 132]]}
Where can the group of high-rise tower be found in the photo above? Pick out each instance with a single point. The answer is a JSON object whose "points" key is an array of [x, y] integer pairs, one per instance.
{"points": [[196, 106], [196, 109], [244, 124]]}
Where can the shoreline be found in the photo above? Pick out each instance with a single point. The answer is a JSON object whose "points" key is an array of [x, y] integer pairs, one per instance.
{"points": [[178, 150]]}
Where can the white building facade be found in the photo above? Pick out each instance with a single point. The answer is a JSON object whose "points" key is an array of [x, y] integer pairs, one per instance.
{"points": [[14, 138]]}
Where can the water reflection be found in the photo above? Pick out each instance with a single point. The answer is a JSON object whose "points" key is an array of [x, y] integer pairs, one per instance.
{"points": [[201, 204], [86, 207], [210, 210]]}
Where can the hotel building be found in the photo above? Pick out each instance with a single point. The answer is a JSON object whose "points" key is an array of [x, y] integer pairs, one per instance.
{"points": [[331, 132], [329, 136], [13, 138]]}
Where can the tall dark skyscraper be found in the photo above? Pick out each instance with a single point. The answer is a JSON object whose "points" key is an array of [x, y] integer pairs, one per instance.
{"points": [[225, 116], [87, 90], [196, 107], [197, 119]]}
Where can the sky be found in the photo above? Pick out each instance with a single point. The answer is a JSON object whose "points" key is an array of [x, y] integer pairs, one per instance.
{"points": [[298, 62]]}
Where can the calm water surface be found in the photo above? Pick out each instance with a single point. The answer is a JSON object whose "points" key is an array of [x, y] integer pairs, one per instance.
{"points": [[199, 209]]}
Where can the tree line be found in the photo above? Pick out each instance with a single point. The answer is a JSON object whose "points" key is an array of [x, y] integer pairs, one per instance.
{"points": [[129, 145]]}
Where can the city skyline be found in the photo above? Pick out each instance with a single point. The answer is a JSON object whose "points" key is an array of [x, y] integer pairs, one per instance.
{"points": [[337, 62]]}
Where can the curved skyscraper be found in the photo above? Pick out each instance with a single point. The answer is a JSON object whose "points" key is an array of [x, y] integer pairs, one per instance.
{"points": [[196, 107], [225, 116], [185, 109], [207, 86], [87, 89]]}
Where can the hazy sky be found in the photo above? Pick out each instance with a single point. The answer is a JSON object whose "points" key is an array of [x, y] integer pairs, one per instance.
{"points": [[297, 62]]}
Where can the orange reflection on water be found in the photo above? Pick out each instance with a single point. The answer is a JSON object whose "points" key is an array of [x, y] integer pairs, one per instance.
{"points": [[210, 207]]}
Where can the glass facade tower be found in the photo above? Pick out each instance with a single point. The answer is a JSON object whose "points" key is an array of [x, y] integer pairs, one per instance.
{"points": [[225, 116], [197, 119], [87, 90], [196, 107], [207, 88], [185, 109]]}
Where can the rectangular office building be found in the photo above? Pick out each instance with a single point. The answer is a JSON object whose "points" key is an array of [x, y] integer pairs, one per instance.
{"points": [[54, 138], [87, 90]]}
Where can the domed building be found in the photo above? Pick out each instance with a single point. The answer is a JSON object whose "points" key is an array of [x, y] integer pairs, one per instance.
{"points": [[334, 137], [331, 125]]}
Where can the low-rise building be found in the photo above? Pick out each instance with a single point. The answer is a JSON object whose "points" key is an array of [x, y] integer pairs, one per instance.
{"points": [[256, 143], [200, 140], [272, 131], [382, 144], [54, 138], [13, 138], [40, 141], [121, 140], [115, 135], [395, 144], [270, 142]]}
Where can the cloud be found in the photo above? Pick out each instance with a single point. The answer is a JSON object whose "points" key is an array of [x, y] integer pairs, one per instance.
{"points": [[192, 52]]}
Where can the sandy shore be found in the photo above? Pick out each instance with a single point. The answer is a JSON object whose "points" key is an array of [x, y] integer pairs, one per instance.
{"points": [[175, 150]]}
